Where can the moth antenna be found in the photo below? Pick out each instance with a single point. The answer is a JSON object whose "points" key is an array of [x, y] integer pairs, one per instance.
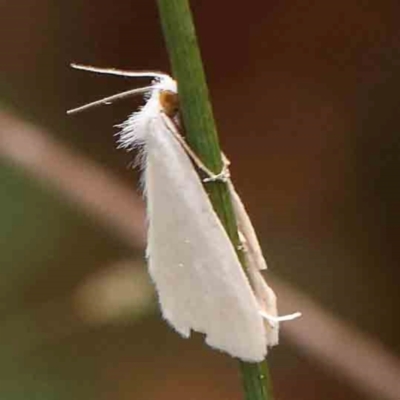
{"points": [[119, 72], [110, 99]]}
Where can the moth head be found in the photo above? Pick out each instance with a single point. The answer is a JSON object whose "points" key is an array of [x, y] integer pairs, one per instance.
{"points": [[169, 102]]}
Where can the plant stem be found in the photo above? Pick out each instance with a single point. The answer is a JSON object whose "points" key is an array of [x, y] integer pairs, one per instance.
{"points": [[201, 135]]}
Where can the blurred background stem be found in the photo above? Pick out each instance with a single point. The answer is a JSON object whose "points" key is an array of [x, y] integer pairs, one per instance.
{"points": [[201, 134]]}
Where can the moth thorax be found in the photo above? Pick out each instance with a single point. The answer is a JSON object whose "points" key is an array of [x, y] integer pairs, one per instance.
{"points": [[169, 102]]}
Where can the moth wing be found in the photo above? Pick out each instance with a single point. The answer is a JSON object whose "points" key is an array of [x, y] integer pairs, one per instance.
{"points": [[255, 262], [197, 274], [246, 228], [267, 302]]}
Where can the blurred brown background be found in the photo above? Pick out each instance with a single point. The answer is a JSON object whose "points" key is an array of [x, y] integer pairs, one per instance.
{"points": [[305, 94]]}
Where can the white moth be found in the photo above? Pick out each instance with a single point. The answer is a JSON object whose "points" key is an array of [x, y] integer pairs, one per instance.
{"points": [[200, 282]]}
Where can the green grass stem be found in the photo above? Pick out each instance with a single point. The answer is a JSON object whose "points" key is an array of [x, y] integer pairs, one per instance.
{"points": [[201, 135]]}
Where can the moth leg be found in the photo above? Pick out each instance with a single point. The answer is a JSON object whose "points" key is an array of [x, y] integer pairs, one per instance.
{"points": [[223, 176], [271, 319], [242, 246]]}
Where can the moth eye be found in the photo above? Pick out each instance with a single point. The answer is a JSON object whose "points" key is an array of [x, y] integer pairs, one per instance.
{"points": [[169, 102]]}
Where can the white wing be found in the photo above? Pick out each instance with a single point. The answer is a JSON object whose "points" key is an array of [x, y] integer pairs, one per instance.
{"points": [[197, 274], [246, 227], [267, 301], [255, 262]]}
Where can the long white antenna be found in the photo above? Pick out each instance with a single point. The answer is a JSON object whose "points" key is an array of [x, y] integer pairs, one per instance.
{"points": [[110, 99], [118, 96], [119, 72]]}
